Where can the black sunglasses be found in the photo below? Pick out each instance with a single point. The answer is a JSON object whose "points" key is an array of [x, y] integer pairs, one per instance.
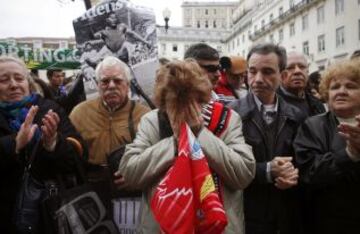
{"points": [[211, 68]]}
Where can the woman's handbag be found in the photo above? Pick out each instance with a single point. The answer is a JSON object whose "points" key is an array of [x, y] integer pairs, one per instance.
{"points": [[28, 202], [84, 208]]}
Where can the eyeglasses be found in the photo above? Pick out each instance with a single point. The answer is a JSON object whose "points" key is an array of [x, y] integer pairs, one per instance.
{"points": [[211, 68], [106, 81]]}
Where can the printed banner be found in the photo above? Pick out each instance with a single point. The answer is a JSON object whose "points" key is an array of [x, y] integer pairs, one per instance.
{"points": [[121, 29], [43, 58]]}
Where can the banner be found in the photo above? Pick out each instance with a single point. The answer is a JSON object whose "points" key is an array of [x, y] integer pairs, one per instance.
{"points": [[121, 29], [43, 58]]}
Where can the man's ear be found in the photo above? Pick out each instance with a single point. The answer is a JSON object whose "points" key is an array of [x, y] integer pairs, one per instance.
{"points": [[284, 74]]}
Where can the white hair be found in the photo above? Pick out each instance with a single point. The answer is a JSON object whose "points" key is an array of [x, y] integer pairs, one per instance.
{"points": [[111, 61]]}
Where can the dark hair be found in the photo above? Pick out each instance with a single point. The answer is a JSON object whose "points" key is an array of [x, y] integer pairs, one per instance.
{"points": [[356, 54], [201, 51], [268, 48], [50, 72]]}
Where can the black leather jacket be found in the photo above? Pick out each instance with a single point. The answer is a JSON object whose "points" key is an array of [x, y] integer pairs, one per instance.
{"points": [[331, 176], [264, 203]]}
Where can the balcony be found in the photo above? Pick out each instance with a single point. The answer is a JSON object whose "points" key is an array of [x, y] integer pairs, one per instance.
{"points": [[283, 18]]}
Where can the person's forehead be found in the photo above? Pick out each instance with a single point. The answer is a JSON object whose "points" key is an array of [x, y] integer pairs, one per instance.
{"points": [[263, 60], [296, 59], [112, 71], [207, 62], [13, 67]]}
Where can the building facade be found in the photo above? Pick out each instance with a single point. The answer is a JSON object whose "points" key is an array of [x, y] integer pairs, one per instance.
{"points": [[325, 30]]}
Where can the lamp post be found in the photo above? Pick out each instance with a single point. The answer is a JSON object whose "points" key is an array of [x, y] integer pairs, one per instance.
{"points": [[166, 14]]}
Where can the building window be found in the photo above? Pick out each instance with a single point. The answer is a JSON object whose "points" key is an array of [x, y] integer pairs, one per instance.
{"points": [[339, 7], [206, 24], [37, 44], [305, 22], [340, 36], [281, 35], [306, 47], [262, 24], [271, 17], [281, 11], [174, 48], [206, 12], [292, 29], [359, 27], [214, 24], [163, 48], [291, 3], [243, 36], [63, 45], [320, 15], [233, 44], [219, 49], [243, 53], [255, 28], [198, 24], [321, 43], [271, 37]]}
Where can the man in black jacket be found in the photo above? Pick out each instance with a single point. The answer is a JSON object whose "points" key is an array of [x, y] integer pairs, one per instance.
{"points": [[293, 87], [269, 126]]}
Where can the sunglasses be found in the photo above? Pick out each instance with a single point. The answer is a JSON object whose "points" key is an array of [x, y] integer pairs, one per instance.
{"points": [[211, 68]]}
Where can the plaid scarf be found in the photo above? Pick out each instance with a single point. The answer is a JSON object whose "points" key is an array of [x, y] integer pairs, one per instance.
{"points": [[15, 112]]}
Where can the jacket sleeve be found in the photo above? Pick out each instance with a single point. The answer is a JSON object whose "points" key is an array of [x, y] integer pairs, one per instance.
{"points": [[319, 165], [147, 158], [229, 156]]}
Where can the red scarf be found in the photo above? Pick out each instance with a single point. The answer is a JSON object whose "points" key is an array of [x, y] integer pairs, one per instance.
{"points": [[186, 200]]}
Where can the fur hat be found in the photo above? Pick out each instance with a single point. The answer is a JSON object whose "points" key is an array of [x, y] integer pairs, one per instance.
{"points": [[238, 64]]}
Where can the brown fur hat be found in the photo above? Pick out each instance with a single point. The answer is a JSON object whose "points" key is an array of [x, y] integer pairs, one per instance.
{"points": [[238, 64]]}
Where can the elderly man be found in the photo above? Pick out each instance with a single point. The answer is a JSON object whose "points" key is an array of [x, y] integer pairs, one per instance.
{"points": [[104, 121], [293, 87], [208, 59], [269, 125]]}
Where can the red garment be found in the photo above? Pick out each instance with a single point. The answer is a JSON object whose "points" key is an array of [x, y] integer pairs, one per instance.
{"points": [[222, 86], [186, 200]]}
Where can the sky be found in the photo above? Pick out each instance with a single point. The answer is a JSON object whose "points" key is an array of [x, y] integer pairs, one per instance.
{"points": [[53, 18]]}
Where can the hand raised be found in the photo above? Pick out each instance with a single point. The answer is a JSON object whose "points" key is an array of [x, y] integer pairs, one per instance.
{"points": [[27, 129]]}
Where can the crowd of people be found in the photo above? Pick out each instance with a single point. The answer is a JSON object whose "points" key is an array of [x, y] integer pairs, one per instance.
{"points": [[283, 146]]}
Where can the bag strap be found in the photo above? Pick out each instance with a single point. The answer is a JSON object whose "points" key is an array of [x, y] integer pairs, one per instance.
{"points": [[131, 121]]}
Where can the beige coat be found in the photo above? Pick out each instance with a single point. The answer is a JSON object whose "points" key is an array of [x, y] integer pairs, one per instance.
{"points": [[148, 158], [104, 131]]}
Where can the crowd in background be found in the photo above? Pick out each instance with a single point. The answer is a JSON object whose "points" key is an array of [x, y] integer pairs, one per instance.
{"points": [[283, 145]]}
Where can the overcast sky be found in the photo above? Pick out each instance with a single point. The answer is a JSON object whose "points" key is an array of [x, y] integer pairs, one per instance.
{"points": [[53, 18]]}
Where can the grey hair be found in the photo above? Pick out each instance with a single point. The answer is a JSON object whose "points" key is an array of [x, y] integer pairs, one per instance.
{"points": [[111, 61], [8, 59]]}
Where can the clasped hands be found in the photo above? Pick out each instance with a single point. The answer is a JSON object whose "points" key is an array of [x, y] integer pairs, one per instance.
{"points": [[49, 127], [284, 173], [352, 136]]}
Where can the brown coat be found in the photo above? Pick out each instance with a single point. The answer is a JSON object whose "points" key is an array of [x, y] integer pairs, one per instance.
{"points": [[102, 130]]}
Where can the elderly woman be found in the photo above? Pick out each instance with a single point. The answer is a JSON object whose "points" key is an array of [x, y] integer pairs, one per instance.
{"points": [[182, 93], [328, 153], [29, 125]]}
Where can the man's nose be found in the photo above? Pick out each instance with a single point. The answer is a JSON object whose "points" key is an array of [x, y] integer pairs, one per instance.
{"points": [[111, 84], [259, 77]]}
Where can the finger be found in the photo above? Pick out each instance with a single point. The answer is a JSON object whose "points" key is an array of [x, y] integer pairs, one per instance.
{"points": [[50, 120], [32, 130], [349, 128], [119, 181], [30, 116], [55, 116], [344, 135]]}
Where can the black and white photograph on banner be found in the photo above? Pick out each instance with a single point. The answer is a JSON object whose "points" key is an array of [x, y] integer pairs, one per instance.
{"points": [[121, 29]]}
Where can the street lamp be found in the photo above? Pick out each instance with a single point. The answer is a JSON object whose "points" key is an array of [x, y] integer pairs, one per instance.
{"points": [[166, 14]]}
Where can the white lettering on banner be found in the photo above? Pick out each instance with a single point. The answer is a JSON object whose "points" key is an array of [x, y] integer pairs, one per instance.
{"points": [[101, 9], [127, 214], [40, 55]]}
